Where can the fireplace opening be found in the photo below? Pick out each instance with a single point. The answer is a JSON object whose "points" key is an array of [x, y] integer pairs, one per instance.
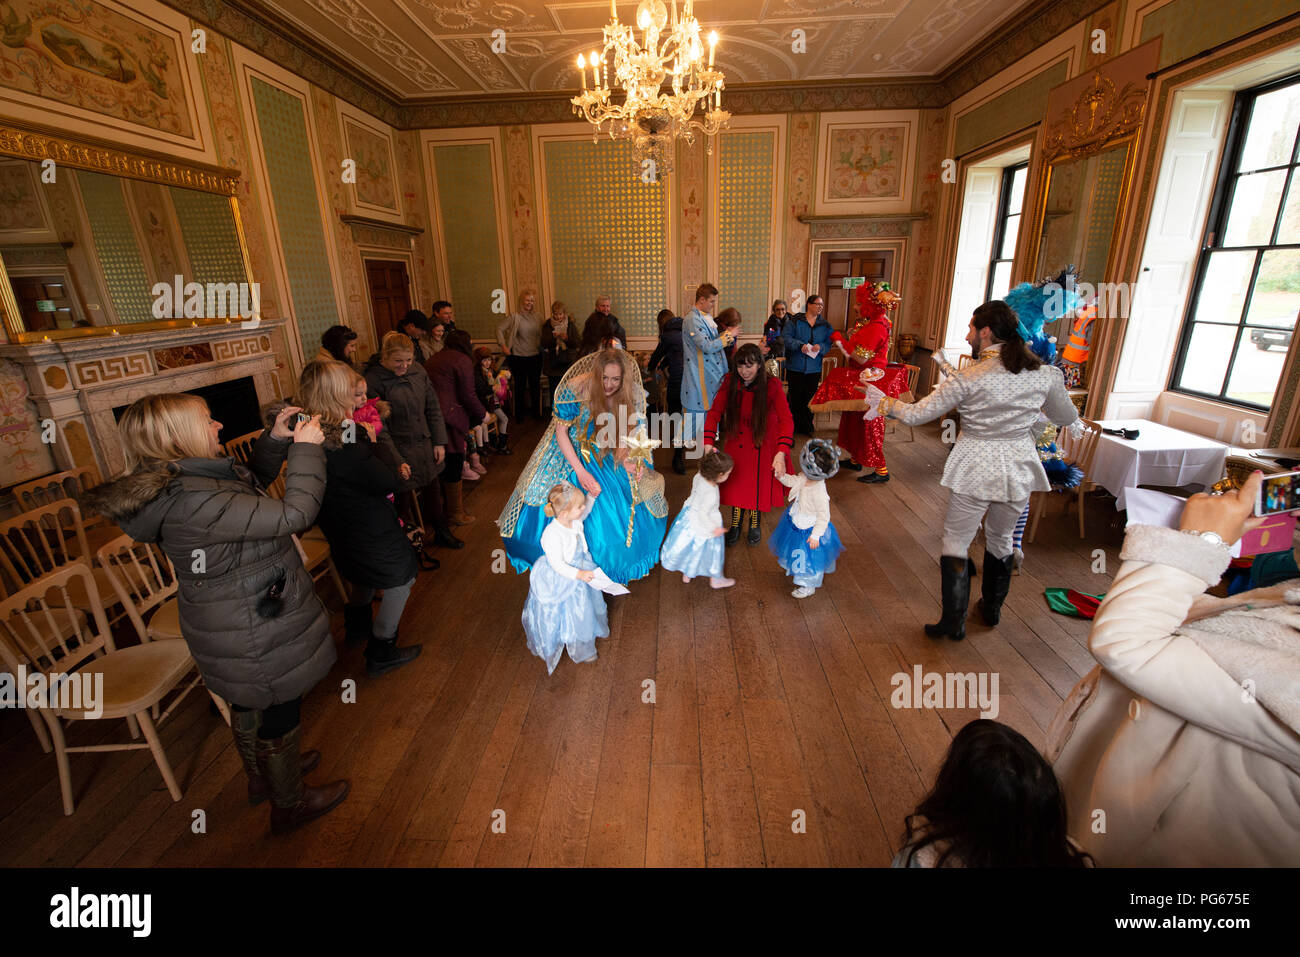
{"points": [[233, 403]]}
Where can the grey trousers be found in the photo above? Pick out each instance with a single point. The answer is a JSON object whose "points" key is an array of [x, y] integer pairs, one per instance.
{"points": [[963, 519], [390, 607]]}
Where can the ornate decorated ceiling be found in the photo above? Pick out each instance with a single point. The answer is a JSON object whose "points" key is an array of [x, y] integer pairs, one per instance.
{"points": [[421, 50]]}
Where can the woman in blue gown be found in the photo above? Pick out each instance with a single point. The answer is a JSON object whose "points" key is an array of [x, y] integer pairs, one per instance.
{"points": [[595, 441]]}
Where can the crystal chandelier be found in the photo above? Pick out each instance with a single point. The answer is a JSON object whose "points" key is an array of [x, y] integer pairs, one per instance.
{"points": [[650, 116]]}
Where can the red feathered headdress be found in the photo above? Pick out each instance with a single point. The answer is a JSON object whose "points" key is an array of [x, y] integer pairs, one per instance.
{"points": [[875, 300]]}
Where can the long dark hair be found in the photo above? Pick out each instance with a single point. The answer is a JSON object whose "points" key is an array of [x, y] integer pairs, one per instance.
{"points": [[995, 803], [598, 328], [729, 424], [1005, 324], [335, 339]]}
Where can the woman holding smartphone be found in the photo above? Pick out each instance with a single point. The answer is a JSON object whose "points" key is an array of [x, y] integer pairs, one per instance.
{"points": [[251, 619], [1188, 734]]}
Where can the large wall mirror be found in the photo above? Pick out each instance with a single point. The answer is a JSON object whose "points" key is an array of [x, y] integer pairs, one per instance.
{"points": [[1081, 212], [1088, 151], [96, 241]]}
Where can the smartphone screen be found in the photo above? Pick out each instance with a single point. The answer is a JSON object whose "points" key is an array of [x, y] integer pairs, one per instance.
{"points": [[1279, 493]]}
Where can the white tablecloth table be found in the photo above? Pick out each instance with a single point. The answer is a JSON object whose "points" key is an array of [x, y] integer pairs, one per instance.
{"points": [[1160, 455]]}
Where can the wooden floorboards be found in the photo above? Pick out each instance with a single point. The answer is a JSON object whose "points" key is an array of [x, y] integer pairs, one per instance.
{"points": [[737, 728]]}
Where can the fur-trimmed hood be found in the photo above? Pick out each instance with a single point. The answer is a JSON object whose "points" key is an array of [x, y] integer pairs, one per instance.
{"points": [[333, 432]]}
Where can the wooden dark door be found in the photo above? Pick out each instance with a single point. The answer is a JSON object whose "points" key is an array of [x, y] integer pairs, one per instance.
{"points": [[873, 265], [390, 293], [44, 303]]}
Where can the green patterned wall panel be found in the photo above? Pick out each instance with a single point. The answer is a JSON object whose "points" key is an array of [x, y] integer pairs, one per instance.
{"points": [[467, 204], [1189, 26], [116, 247], [1013, 110], [208, 228], [606, 232], [283, 126], [745, 189]]}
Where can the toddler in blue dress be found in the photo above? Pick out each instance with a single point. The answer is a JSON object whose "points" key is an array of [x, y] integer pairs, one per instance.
{"points": [[694, 543], [805, 542], [563, 610]]}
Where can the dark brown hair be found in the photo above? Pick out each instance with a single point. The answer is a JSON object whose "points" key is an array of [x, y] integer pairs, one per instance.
{"points": [[460, 341], [705, 290], [715, 464], [729, 424], [1002, 320]]}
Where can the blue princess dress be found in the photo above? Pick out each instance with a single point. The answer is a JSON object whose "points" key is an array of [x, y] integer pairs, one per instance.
{"points": [[563, 612], [691, 547], [809, 516], [627, 523]]}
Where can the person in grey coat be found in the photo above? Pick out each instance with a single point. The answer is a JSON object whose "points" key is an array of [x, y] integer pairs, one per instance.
{"points": [[416, 426], [248, 608]]}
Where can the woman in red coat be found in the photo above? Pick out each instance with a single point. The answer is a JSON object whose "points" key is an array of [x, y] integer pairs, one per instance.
{"points": [[750, 420]]}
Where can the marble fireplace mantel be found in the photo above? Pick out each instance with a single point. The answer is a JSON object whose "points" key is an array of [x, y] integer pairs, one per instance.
{"points": [[79, 382]]}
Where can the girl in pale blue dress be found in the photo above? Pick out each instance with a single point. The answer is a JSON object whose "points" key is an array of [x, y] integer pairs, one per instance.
{"points": [[595, 441], [564, 611], [694, 543]]}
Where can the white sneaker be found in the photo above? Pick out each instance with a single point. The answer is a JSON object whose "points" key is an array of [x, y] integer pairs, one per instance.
{"points": [[803, 591]]}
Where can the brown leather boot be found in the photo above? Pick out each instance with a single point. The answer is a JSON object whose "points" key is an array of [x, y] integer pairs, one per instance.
{"points": [[293, 804], [243, 726], [453, 494]]}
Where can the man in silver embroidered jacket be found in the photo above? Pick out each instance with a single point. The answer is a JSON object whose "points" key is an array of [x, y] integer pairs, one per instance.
{"points": [[995, 465]]}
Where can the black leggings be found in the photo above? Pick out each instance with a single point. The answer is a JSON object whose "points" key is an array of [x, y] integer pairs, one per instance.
{"points": [[277, 720], [452, 466], [527, 371]]}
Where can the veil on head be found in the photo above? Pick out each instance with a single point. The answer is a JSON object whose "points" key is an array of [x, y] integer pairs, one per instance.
{"points": [[547, 465]]}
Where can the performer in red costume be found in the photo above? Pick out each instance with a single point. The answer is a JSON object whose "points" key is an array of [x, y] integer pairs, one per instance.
{"points": [[867, 351]]}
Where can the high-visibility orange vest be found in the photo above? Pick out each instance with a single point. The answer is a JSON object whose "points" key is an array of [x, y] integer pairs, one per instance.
{"points": [[1076, 349]]}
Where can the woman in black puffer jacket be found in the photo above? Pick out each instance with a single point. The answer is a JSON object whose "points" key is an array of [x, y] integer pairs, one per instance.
{"points": [[250, 615], [361, 524]]}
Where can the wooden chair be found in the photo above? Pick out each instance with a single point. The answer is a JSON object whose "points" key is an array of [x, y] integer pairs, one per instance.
{"points": [[240, 449], [908, 395], [68, 485], [144, 580], [45, 538], [125, 684], [964, 360], [1079, 452]]}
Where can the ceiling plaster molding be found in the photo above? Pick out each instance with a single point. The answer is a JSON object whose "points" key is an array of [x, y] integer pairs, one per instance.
{"points": [[282, 42]]}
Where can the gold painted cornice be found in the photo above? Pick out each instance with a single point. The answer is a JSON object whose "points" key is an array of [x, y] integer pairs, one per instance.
{"points": [[243, 23], [37, 145]]}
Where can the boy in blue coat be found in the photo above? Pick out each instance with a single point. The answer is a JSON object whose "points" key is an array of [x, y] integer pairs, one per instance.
{"points": [[704, 362]]}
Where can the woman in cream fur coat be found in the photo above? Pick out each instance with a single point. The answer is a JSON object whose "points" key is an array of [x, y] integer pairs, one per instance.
{"points": [[1183, 748]]}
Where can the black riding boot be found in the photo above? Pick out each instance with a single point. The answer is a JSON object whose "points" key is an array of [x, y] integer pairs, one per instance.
{"points": [[956, 598], [997, 582], [733, 533], [755, 533]]}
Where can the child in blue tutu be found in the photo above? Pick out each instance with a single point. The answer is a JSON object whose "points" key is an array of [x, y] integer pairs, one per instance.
{"points": [[805, 542], [563, 610], [694, 544]]}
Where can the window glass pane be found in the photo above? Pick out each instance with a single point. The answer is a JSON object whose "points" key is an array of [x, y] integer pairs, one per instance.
{"points": [[1258, 365], [1018, 189], [1223, 291], [1254, 209], [1001, 279], [1207, 358], [1272, 130], [1290, 231], [1009, 235], [1277, 290]]}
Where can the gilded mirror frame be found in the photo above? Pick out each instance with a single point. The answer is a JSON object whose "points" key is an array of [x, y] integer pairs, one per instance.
{"points": [[29, 142]]}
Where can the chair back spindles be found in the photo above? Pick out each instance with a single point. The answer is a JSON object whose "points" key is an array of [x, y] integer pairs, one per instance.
{"points": [[41, 540], [240, 449], [142, 576], [42, 625], [53, 488]]}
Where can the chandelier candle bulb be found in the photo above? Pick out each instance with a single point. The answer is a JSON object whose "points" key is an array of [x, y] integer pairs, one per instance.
{"points": [[582, 72], [713, 43]]}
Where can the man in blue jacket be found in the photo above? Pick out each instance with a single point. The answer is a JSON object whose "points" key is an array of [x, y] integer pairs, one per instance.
{"points": [[704, 362], [807, 338]]}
